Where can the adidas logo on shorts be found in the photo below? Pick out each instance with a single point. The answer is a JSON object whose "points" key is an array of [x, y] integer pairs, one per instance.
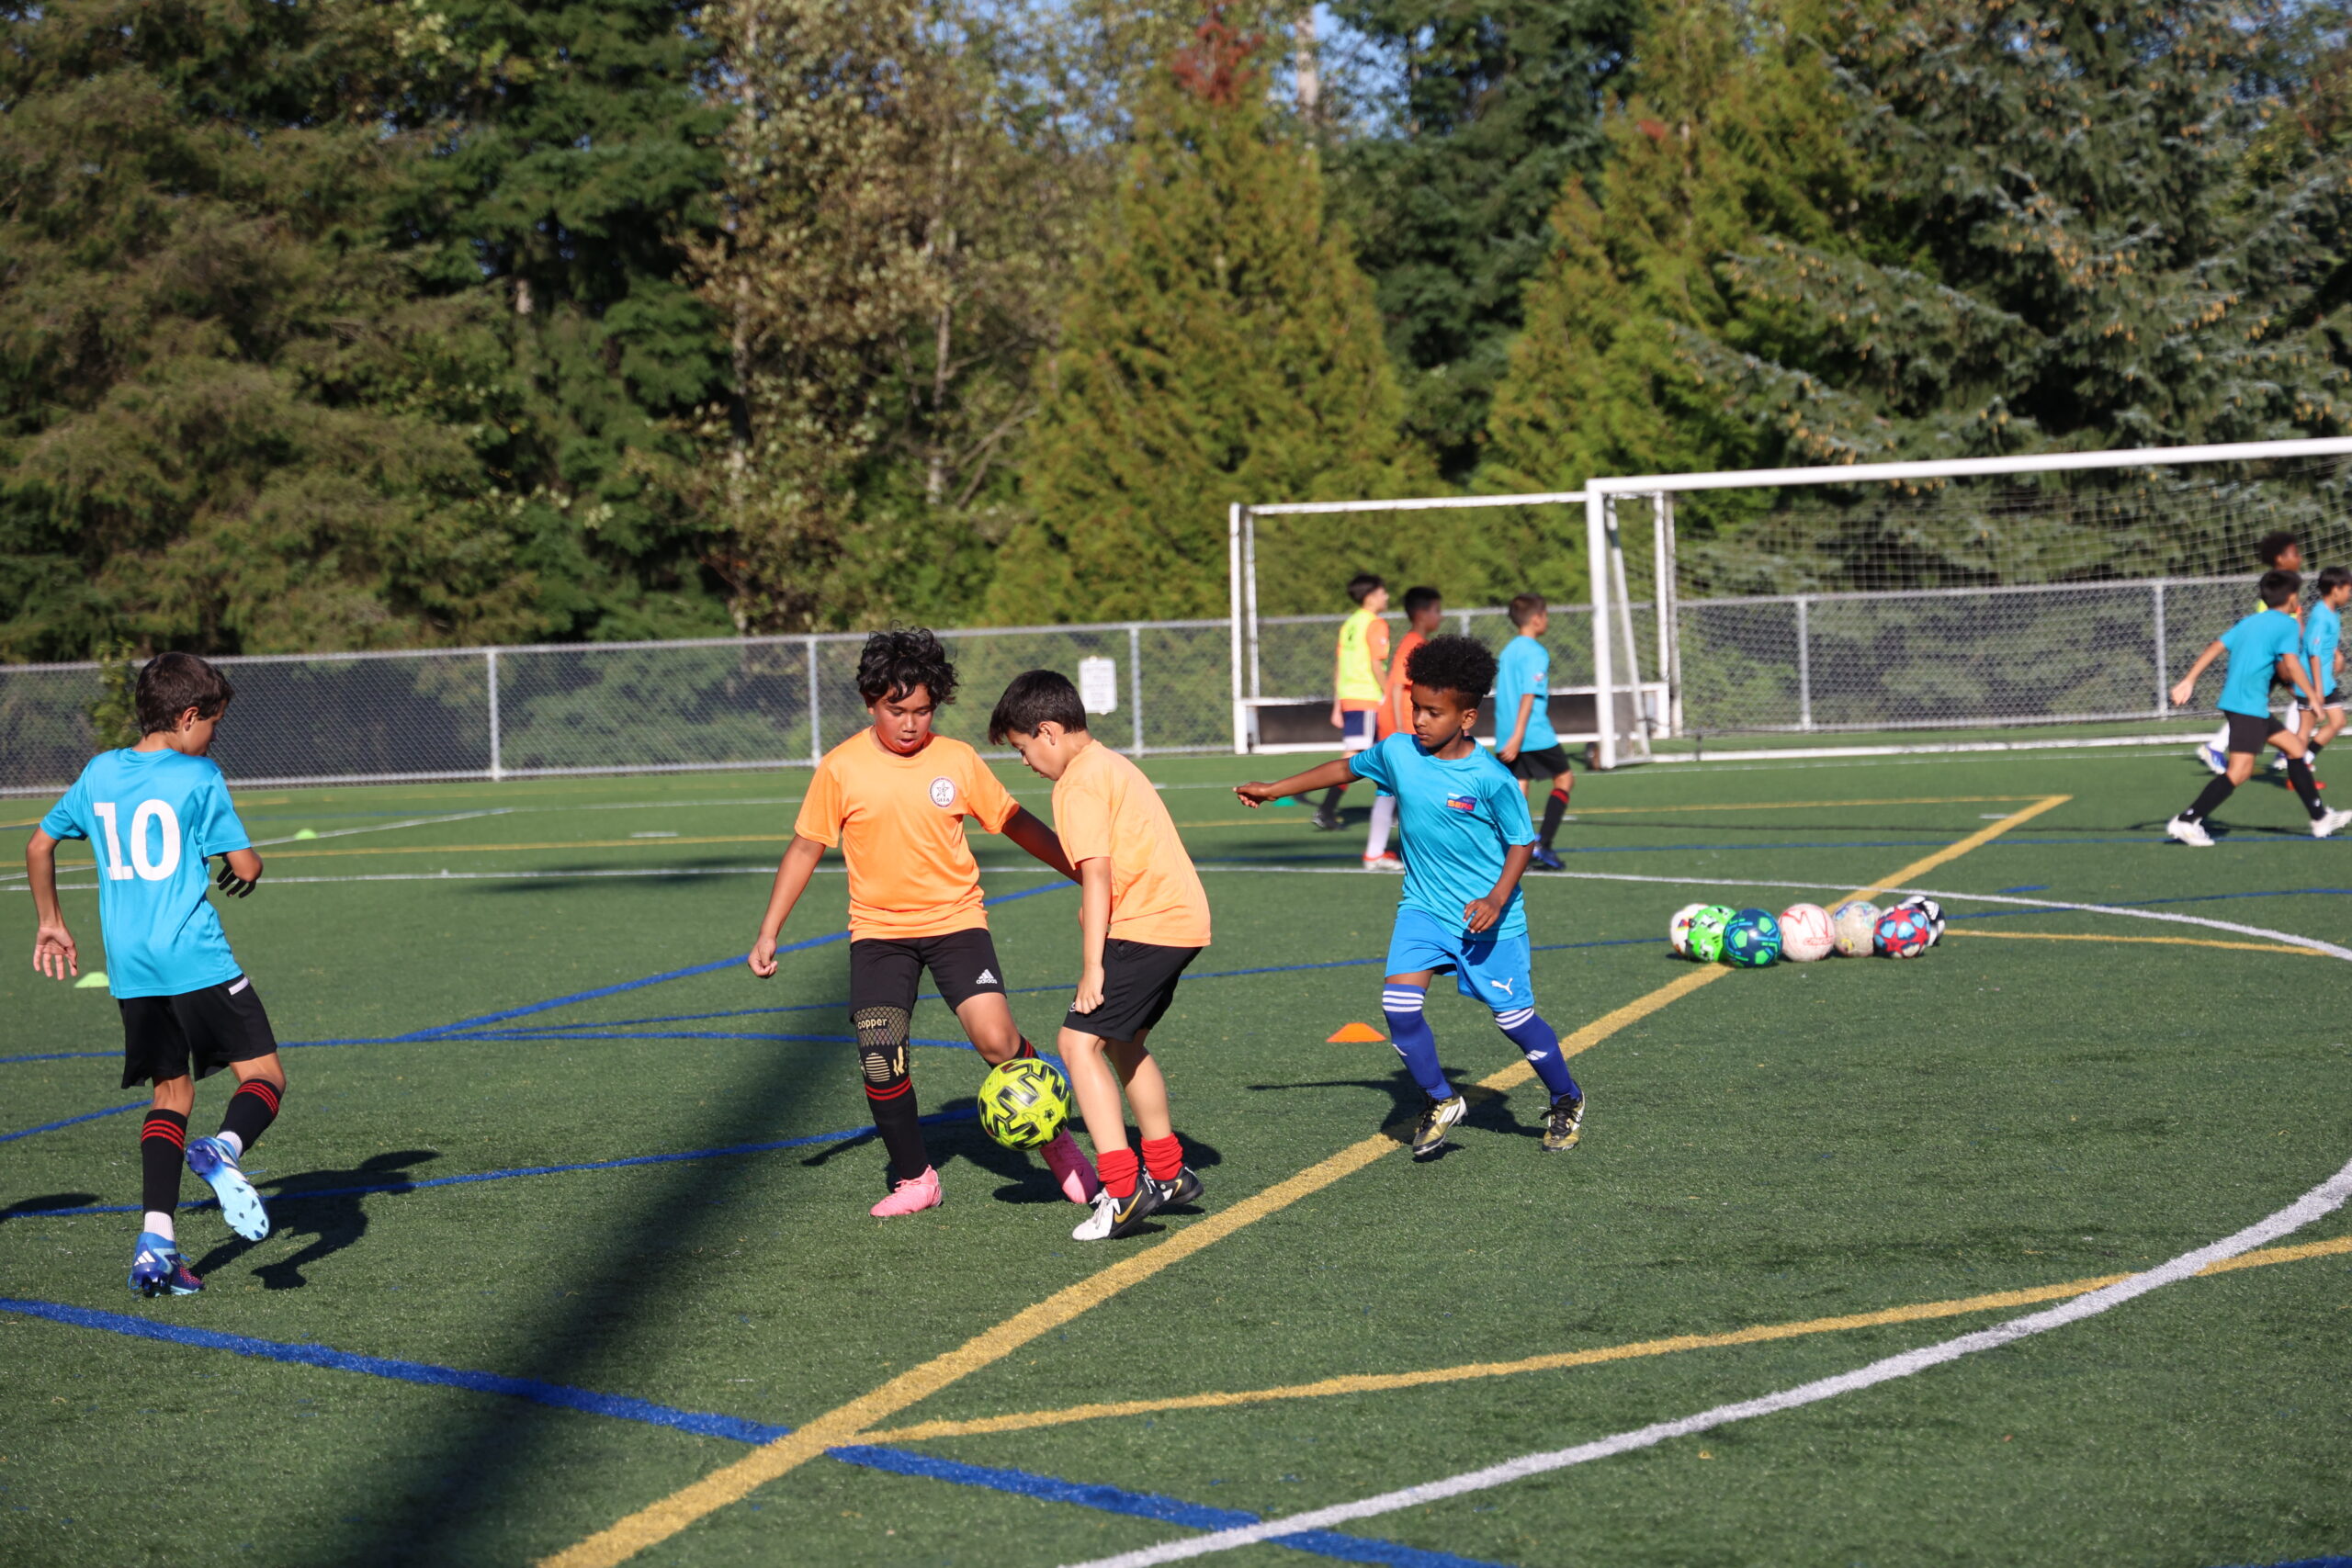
{"points": [[987, 978]]}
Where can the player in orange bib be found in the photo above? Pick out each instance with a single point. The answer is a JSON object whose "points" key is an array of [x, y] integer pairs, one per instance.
{"points": [[893, 798]]}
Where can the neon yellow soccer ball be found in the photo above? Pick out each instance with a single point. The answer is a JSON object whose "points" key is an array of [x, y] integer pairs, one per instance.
{"points": [[1023, 1103]]}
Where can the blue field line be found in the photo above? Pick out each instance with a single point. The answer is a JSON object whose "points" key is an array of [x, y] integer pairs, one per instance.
{"points": [[621, 1408], [303, 1194], [70, 1120]]}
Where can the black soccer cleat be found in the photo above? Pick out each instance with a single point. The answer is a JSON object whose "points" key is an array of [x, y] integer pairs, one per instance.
{"points": [[1182, 1192], [1325, 821], [1437, 1119], [1116, 1217], [1564, 1124]]}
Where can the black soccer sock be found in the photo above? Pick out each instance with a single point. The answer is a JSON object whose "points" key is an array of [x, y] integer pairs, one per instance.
{"points": [[2314, 748], [251, 1110], [1552, 810], [890, 1091], [2299, 775], [1330, 807], [161, 1143], [2217, 791], [1027, 1051]]}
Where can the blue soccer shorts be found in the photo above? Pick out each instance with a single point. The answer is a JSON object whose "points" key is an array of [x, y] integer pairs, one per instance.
{"points": [[1492, 969]]}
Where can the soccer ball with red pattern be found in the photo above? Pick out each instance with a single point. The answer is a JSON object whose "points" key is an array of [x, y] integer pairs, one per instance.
{"points": [[1901, 933]]}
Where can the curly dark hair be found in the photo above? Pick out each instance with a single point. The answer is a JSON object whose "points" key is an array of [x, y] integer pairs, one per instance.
{"points": [[171, 683], [1458, 664], [894, 662]]}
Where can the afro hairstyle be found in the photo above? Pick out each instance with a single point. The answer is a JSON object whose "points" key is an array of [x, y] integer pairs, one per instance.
{"points": [[894, 662], [1458, 664]]}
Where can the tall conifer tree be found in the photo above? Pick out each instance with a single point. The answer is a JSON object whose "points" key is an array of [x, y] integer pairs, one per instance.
{"points": [[1221, 346]]}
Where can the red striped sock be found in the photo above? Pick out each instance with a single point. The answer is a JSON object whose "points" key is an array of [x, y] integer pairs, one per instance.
{"points": [[251, 1110], [1117, 1168], [1164, 1157]]}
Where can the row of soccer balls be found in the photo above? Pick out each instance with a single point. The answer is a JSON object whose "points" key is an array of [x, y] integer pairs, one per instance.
{"points": [[1803, 932]]}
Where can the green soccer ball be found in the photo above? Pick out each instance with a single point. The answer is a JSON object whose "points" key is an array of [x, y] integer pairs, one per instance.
{"points": [[1752, 938], [1023, 1103], [1707, 933]]}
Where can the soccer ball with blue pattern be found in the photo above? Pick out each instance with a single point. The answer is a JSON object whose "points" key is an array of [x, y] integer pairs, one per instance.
{"points": [[1930, 912], [1752, 938], [1903, 933], [1023, 1103]]}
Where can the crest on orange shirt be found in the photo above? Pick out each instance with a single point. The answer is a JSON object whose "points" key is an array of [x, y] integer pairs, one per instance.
{"points": [[943, 792]]}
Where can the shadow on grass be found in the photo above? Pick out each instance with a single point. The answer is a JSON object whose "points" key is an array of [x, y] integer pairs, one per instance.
{"points": [[316, 1204], [30, 1207], [1489, 1111]]}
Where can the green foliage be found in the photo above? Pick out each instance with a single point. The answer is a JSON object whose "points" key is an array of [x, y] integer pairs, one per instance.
{"points": [[114, 713], [1220, 346], [1448, 194]]}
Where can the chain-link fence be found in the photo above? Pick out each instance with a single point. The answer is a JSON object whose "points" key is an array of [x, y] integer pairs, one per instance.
{"points": [[1922, 660]]}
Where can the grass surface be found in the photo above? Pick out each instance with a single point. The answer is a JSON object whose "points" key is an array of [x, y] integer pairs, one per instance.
{"points": [[1775, 1148]]}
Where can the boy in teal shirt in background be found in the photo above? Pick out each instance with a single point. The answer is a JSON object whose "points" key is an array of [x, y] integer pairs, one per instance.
{"points": [[2264, 644], [1525, 741]]}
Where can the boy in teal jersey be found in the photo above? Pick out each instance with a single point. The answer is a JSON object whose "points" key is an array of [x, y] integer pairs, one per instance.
{"points": [[2278, 551], [1525, 741], [2264, 644], [154, 813], [1468, 841], [2323, 638]]}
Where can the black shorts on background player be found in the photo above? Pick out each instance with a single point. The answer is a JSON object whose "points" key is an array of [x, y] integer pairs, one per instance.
{"points": [[2251, 732], [887, 972], [1548, 764], [1138, 982], [194, 1033]]}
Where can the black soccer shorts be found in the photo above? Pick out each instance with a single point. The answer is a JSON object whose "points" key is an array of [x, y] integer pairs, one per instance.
{"points": [[886, 972], [1138, 982], [2250, 732], [195, 1032], [1548, 764]]}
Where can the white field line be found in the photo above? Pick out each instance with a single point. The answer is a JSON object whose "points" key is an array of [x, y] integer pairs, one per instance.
{"points": [[2319, 1201], [556, 875], [347, 832]]}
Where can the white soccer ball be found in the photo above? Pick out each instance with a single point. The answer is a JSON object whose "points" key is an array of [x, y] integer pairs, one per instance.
{"points": [[1929, 910], [1807, 933], [1855, 927], [1677, 930]]}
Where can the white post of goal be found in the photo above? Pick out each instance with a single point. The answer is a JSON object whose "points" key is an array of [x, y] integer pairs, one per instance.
{"points": [[1233, 564], [1604, 697], [1662, 558]]}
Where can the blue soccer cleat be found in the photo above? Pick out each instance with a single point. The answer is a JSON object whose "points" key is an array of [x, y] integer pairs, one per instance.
{"points": [[214, 1164], [2213, 757], [158, 1269], [1546, 861]]}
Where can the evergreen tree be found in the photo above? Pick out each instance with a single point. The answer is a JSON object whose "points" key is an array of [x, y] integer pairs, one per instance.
{"points": [[1220, 346], [212, 432], [1500, 103], [572, 160]]}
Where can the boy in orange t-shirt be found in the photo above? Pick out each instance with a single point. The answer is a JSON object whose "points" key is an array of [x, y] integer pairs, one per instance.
{"points": [[893, 798], [1143, 916], [1424, 608]]}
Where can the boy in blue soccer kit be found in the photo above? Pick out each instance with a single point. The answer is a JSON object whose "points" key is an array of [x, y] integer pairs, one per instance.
{"points": [[2323, 639], [1525, 741], [1468, 841], [154, 813], [2265, 645]]}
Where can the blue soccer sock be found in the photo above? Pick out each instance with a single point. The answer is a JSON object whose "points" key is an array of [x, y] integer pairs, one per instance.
{"points": [[1411, 1034], [1525, 1028]]}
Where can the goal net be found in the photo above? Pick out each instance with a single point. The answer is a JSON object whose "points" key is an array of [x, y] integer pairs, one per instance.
{"points": [[1973, 603]]}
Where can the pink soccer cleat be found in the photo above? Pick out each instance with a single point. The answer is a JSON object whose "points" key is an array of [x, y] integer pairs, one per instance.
{"points": [[1071, 1169], [909, 1197]]}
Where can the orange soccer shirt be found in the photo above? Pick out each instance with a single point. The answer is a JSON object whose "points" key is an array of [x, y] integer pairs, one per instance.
{"points": [[1396, 702], [1105, 809], [899, 822]]}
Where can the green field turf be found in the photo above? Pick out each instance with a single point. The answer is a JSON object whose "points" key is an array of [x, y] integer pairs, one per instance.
{"points": [[1772, 1148]]}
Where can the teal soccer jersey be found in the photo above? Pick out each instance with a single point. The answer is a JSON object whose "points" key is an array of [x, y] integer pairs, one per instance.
{"points": [[152, 816], [1525, 671], [1458, 818], [2255, 645], [2322, 629]]}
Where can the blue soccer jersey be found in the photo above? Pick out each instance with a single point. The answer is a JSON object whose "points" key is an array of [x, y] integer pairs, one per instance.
{"points": [[1459, 817], [2255, 645], [2322, 629], [152, 816], [1525, 670]]}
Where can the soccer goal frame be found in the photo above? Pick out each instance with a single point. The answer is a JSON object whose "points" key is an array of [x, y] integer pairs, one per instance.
{"points": [[1602, 495], [1651, 699]]}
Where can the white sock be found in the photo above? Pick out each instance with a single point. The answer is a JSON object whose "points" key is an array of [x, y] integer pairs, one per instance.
{"points": [[1384, 812], [2220, 742], [158, 1223], [236, 1144]]}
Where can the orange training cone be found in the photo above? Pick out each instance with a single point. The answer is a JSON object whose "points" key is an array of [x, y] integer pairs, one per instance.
{"points": [[1358, 1034]]}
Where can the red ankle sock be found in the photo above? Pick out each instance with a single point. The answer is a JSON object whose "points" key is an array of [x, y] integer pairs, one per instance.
{"points": [[1164, 1157], [1117, 1168]]}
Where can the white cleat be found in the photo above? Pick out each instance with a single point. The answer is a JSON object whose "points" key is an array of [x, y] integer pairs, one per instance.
{"points": [[2326, 824], [2214, 759], [2189, 832]]}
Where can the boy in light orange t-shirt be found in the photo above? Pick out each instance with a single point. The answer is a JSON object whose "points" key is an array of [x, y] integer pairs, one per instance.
{"points": [[893, 797], [1143, 916]]}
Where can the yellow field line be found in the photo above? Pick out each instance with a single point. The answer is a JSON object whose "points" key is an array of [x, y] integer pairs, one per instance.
{"points": [[1383, 1382], [2160, 940], [659, 1521]]}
